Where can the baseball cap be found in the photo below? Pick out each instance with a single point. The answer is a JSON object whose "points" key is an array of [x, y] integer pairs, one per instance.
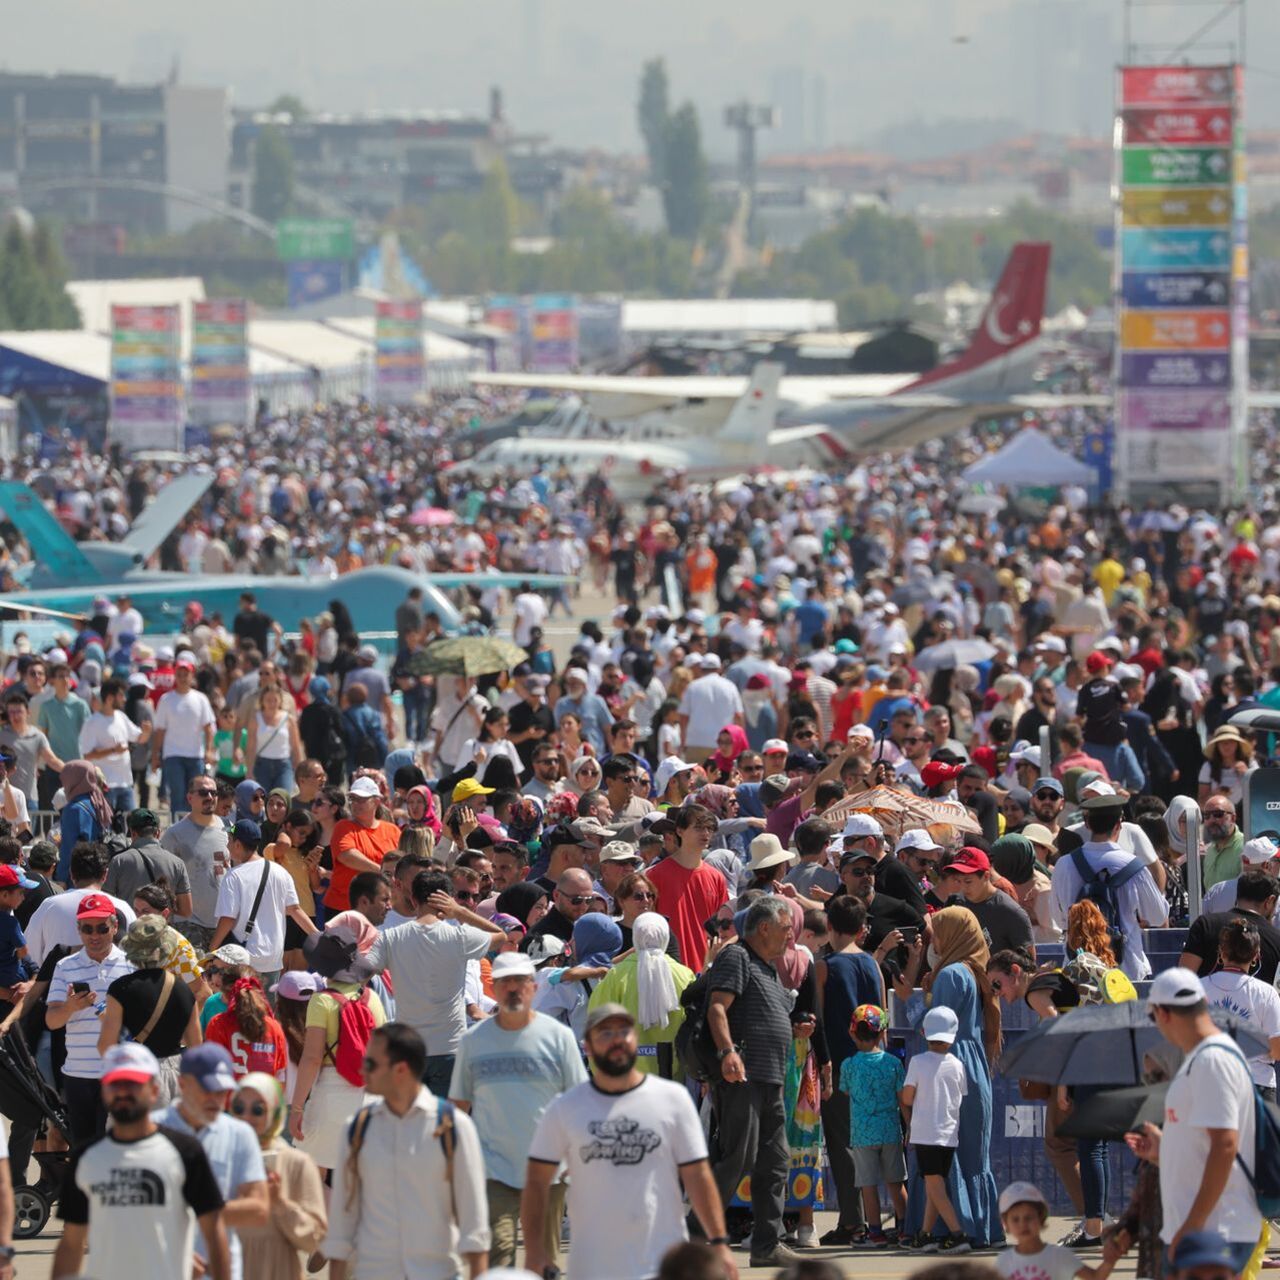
{"points": [[940, 1024], [917, 839], [619, 851], [229, 953], [184, 664], [869, 1015], [606, 1012], [212, 1066], [710, 662], [860, 825], [142, 819], [43, 854], [1102, 795], [575, 673], [589, 831], [369, 652], [298, 984], [365, 787], [935, 773], [247, 832], [805, 760], [970, 861], [1259, 850], [1097, 661], [774, 787], [1021, 1193], [1052, 643], [513, 964], [1028, 755], [536, 684], [1175, 988], [1203, 1249], [469, 788], [862, 731], [668, 770], [95, 906], [1046, 783], [774, 746], [9, 877], [129, 1061]]}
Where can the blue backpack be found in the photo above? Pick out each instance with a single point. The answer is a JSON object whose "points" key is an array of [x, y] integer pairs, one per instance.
{"points": [[1264, 1177], [1101, 888]]}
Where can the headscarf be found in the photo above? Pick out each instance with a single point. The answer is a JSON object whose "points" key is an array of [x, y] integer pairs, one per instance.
{"points": [[958, 939], [596, 939], [318, 689], [520, 899], [794, 962], [430, 818], [269, 1090], [656, 998], [245, 791], [395, 760], [1179, 807], [572, 780], [362, 929], [715, 797], [524, 821], [723, 760], [1014, 857], [80, 778]]}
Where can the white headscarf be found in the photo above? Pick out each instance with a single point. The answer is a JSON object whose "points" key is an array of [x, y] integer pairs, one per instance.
{"points": [[655, 987], [1179, 807]]}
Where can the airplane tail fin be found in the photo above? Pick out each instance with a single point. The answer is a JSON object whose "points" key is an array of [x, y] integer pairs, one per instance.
{"points": [[1012, 317], [165, 511], [57, 556], [755, 414]]}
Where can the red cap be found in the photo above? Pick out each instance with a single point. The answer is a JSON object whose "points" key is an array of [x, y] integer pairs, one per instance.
{"points": [[935, 773], [184, 664], [1097, 661], [969, 862], [95, 906], [9, 877]]}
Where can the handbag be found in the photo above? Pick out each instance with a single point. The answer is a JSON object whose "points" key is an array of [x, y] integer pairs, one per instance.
{"points": [[166, 990], [253, 910]]}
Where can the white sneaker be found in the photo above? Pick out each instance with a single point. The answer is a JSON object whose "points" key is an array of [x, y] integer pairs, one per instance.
{"points": [[806, 1238]]}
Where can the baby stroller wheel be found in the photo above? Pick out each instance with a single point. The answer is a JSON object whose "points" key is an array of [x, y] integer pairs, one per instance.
{"points": [[30, 1212]]}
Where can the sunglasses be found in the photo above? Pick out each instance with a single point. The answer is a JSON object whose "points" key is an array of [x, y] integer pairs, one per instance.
{"points": [[644, 897], [860, 872], [931, 863], [578, 899], [809, 734], [205, 794], [213, 971], [997, 986], [724, 926], [1046, 794], [915, 737], [255, 1109], [94, 928], [462, 895], [1219, 813]]}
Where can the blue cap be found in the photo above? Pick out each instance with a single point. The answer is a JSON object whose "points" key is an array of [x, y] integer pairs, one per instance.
{"points": [[1203, 1249], [211, 1065], [1049, 784], [247, 832], [805, 760]]}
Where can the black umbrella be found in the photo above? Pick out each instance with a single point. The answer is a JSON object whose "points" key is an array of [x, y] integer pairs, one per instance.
{"points": [[1112, 1113], [1103, 1044]]}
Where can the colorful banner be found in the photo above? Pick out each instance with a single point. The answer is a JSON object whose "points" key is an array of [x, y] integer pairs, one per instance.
{"points": [[508, 314], [146, 378], [310, 281], [400, 374], [553, 333], [220, 382], [1181, 267]]}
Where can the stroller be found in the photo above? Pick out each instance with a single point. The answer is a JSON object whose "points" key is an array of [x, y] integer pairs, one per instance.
{"points": [[26, 1096]]}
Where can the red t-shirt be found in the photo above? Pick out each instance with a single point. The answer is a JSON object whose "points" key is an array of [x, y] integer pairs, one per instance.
{"points": [[270, 1054], [687, 898]]}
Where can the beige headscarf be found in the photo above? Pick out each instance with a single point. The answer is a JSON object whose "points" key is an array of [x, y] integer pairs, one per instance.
{"points": [[958, 939]]}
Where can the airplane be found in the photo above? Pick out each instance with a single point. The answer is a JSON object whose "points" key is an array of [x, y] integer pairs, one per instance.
{"points": [[745, 441], [860, 412], [69, 576]]}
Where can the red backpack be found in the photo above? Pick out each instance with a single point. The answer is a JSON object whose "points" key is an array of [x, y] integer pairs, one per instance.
{"points": [[355, 1026]]}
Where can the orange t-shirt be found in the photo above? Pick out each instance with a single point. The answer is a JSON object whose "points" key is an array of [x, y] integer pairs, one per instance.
{"points": [[373, 842]]}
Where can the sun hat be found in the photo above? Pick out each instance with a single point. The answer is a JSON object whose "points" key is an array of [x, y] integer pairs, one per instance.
{"points": [[767, 851]]}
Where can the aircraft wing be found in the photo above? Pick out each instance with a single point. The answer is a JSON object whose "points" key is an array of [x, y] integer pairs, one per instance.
{"points": [[165, 511], [619, 398], [511, 581], [56, 554]]}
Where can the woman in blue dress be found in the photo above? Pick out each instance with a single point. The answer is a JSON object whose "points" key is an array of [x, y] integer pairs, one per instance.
{"points": [[957, 979]]}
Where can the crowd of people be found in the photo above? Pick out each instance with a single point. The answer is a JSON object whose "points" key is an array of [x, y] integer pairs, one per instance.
{"points": [[330, 962]]}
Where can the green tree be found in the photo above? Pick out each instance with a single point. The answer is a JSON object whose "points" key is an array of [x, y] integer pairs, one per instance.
{"points": [[653, 114], [35, 298], [272, 175], [685, 189], [289, 104]]}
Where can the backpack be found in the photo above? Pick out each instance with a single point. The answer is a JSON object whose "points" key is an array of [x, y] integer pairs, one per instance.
{"points": [[446, 1131], [1096, 982], [1264, 1177], [1101, 888], [694, 1044], [363, 746], [355, 1026]]}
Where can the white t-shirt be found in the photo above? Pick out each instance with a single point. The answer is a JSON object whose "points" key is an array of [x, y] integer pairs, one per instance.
{"points": [[941, 1083], [624, 1152], [183, 717], [710, 702], [116, 731], [1053, 1262], [1253, 1001], [1212, 1090], [531, 611], [483, 752], [236, 893]]}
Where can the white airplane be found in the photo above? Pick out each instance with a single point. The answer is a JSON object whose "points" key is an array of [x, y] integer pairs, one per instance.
{"points": [[747, 440], [859, 412]]}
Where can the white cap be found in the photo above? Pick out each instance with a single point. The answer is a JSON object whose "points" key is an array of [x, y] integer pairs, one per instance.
{"points": [[774, 744], [862, 731], [1127, 671], [917, 839], [1021, 1193], [1110, 643], [1096, 788], [710, 662], [364, 787], [941, 1023], [668, 770], [1055, 644], [619, 851], [1028, 755], [1259, 850], [575, 673], [696, 616], [859, 825], [1176, 987], [513, 964]]}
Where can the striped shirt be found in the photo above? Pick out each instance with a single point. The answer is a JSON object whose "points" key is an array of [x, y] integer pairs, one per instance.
{"points": [[83, 1060]]}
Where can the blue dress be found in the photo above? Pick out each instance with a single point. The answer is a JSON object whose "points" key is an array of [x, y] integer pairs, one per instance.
{"points": [[971, 1184]]}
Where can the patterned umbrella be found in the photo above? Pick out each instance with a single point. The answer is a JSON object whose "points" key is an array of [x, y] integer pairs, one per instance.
{"points": [[466, 656], [898, 810]]}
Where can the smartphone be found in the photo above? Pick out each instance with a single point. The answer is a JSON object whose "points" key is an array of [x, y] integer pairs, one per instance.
{"points": [[710, 928], [79, 988], [909, 934]]}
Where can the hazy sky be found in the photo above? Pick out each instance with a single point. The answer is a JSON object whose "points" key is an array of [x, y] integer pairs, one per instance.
{"points": [[839, 69]]}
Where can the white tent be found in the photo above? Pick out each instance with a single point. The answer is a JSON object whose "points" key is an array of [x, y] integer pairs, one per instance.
{"points": [[1030, 458]]}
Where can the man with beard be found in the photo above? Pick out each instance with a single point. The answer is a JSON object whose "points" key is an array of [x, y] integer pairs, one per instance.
{"points": [[626, 1138], [131, 1195], [1048, 799], [508, 1069]]}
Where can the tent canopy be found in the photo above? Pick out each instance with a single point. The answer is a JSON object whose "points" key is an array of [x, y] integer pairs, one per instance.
{"points": [[1030, 458]]}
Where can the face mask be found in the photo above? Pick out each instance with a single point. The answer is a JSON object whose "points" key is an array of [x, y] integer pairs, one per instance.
{"points": [[931, 955]]}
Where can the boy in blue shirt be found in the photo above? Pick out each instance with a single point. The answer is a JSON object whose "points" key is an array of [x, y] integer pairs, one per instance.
{"points": [[14, 967], [873, 1079]]}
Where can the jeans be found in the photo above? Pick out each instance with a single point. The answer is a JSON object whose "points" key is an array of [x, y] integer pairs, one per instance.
{"points": [[270, 774], [835, 1128], [439, 1073], [176, 775], [417, 714], [85, 1109], [1122, 764], [121, 800], [1094, 1175], [751, 1140]]}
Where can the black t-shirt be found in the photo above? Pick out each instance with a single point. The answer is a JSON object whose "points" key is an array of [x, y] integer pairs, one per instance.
{"points": [[253, 626], [887, 914], [138, 992], [1203, 935], [982, 804], [1006, 924], [1062, 991], [1099, 705], [553, 922], [523, 717], [33, 898], [894, 879]]}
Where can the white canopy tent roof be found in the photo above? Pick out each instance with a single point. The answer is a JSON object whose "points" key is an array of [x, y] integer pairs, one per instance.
{"points": [[1030, 458]]}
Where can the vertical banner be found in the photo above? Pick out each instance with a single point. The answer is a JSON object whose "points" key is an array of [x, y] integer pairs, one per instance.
{"points": [[553, 332], [401, 367], [1181, 277], [220, 386], [509, 315], [146, 378]]}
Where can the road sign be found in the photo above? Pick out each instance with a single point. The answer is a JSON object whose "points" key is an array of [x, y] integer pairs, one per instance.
{"points": [[1179, 207], [1175, 330], [1175, 166], [315, 239]]}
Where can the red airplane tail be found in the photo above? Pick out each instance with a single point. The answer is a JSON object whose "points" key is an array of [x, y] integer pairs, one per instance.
{"points": [[1011, 319]]}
